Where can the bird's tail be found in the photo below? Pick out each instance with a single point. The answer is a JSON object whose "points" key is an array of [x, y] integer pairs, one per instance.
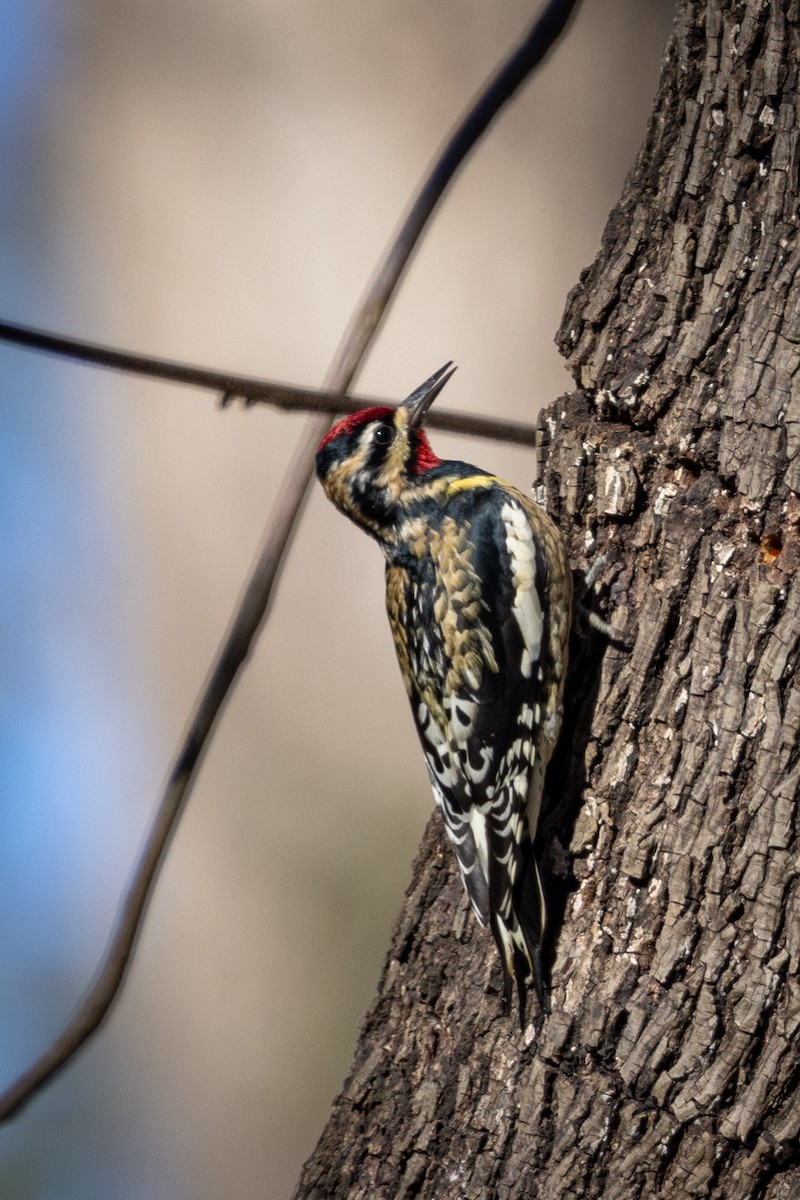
{"points": [[518, 925]]}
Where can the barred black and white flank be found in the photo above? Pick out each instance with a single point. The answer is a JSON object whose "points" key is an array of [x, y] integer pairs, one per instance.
{"points": [[479, 595]]}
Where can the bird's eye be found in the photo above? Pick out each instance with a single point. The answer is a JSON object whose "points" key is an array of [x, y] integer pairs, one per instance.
{"points": [[383, 435]]}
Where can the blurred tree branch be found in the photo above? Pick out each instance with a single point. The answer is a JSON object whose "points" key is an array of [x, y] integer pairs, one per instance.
{"points": [[254, 604], [251, 391]]}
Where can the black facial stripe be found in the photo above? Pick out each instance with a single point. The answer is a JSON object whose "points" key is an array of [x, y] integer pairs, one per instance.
{"points": [[378, 451]]}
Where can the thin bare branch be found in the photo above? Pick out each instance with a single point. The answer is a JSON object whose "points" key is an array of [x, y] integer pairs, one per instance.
{"points": [[248, 389], [255, 601]]}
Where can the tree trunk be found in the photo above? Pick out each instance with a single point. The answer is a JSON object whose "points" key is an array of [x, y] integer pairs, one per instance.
{"points": [[670, 1062]]}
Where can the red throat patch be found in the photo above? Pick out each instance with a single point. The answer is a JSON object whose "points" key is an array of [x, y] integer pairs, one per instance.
{"points": [[424, 459]]}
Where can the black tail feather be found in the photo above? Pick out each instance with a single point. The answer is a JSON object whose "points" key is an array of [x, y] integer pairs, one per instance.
{"points": [[519, 938], [532, 916]]}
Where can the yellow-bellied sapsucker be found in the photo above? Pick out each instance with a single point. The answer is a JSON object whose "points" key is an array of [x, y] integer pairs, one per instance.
{"points": [[479, 595]]}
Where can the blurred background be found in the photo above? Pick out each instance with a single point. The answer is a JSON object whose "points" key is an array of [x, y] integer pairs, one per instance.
{"points": [[214, 182]]}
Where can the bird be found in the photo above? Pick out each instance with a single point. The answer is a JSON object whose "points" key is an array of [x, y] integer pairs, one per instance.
{"points": [[479, 600]]}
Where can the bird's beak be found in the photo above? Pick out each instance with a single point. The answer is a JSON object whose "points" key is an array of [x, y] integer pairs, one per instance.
{"points": [[418, 403]]}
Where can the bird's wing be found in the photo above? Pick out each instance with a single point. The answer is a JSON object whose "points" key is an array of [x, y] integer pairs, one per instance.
{"points": [[468, 625]]}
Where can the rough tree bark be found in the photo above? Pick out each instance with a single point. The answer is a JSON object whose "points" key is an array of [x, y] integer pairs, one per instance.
{"points": [[670, 1064]]}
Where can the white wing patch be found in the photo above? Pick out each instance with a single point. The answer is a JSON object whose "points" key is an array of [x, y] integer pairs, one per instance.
{"points": [[527, 606]]}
